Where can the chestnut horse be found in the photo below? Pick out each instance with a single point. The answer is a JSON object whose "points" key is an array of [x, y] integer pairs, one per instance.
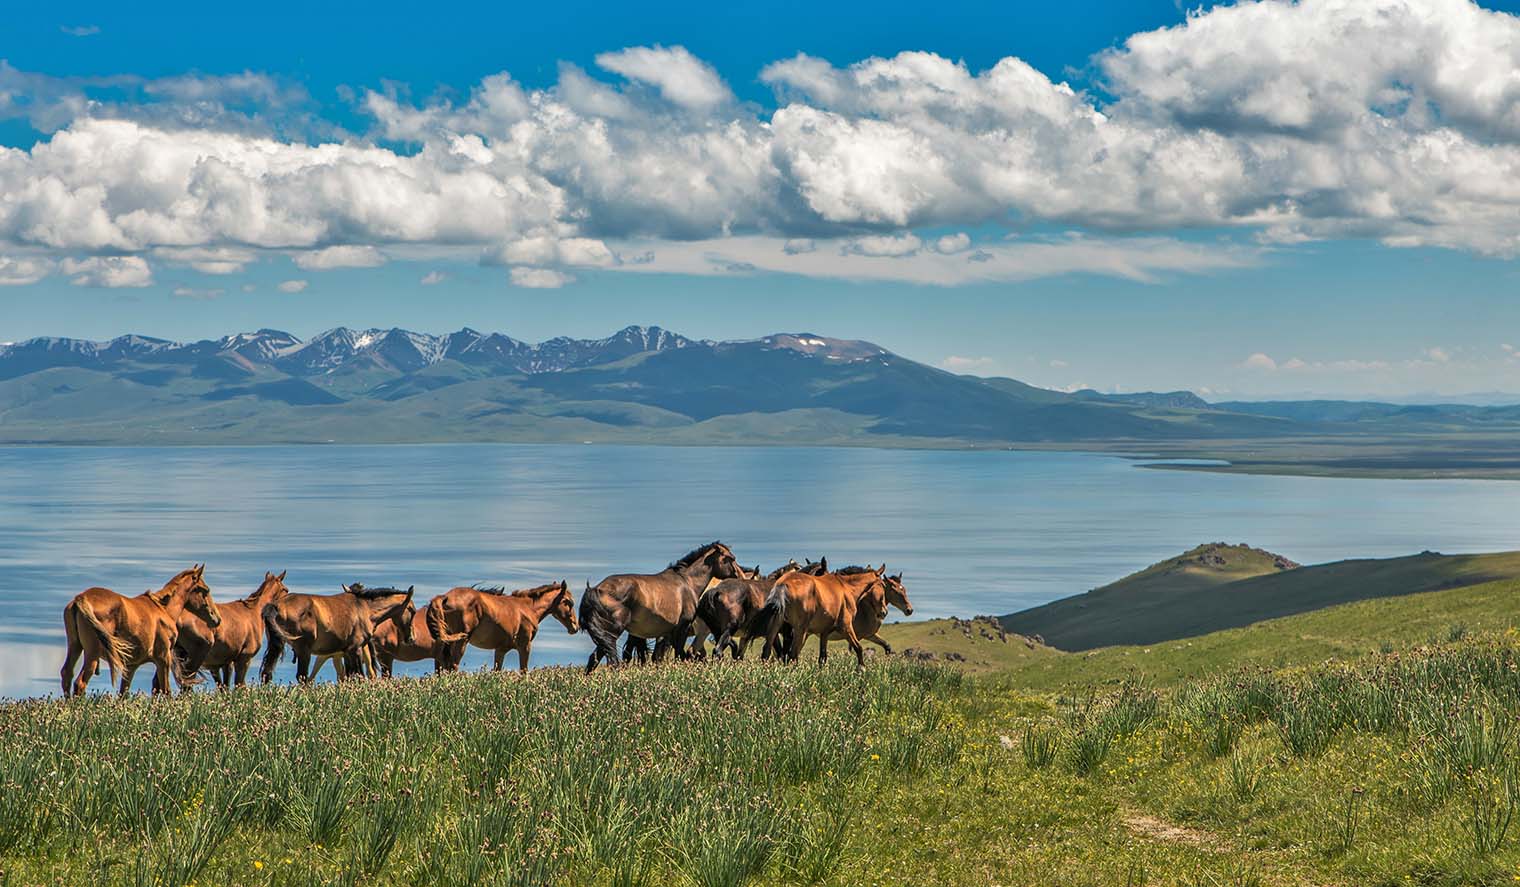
{"points": [[490, 620], [329, 626], [129, 631], [387, 646], [227, 650], [652, 605], [871, 610], [820, 605], [733, 607]]}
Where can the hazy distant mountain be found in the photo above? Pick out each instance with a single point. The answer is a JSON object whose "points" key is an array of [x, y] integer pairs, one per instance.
{"points": [[639, 384]]}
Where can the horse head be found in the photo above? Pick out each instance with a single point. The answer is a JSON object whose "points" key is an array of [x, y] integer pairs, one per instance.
{"points": [[271, 589], [816, 568], [563, 607], [897, 593], [197, 594], [403, 616]]}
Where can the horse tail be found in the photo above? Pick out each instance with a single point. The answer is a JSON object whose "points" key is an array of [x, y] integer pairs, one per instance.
{"points": [[439, 627], [182, 676], [278, 638], [771, 618], [117, 650], [599, 622]]}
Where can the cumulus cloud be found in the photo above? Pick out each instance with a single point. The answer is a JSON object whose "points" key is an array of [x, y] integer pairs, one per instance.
{"points": [[339, 257], [682, 78], [540, 278], [1259, 361], [291, 286], [1381, 119], [21, 271], [207, 260], [108, 271]]}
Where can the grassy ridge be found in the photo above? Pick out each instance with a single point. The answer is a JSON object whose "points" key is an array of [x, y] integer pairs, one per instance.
{"points": [[1182, 598]]}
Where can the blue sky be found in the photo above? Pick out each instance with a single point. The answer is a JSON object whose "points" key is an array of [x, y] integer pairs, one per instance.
{"points": [[1259, 201]]}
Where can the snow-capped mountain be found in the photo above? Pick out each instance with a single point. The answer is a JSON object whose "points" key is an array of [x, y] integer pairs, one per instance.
{"points": [[398, 350]]}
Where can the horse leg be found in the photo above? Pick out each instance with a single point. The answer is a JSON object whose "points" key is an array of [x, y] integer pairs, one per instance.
{"points": [[848, 630], [303, 668], [501, 653], [523, 649], [724, 640], [240, 670], [126, 678], [876, 639], [90, 666], [799, 637], [823, 650], [72, 654]]}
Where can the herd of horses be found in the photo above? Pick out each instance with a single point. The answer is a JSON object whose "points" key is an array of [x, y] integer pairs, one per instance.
{"points": [[364, 631]]}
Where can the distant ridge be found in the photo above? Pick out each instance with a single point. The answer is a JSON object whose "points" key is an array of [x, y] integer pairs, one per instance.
{"points": [[1220, 586], [641, 384]]}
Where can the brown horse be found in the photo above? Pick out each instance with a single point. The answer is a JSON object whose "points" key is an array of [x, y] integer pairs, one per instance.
{"points": [[732, 608], [227, 650], [387, 645], [871, 610], [490, 620], [820, 605], [329, 626], [129, 631], [653, 605]]}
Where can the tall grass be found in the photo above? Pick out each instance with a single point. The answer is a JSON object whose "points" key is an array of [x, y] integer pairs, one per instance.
{"points": [[694, 773]]}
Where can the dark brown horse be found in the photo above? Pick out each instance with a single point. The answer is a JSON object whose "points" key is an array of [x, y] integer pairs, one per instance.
{"points": [[732, 608], [654, 605], [329, 626], [227, 650], [129, 631], [820, 605], [490, 620]]}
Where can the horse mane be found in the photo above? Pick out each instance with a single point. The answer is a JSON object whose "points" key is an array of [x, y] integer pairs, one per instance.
{"points": [[359, 591], [855, 570], [539, 590], [253, 598], [695, 555], [489, 589]]}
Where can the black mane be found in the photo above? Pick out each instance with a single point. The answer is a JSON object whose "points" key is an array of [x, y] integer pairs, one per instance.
{"points": [[695, 555], [490, 589], [855, 570], [358, 590]]}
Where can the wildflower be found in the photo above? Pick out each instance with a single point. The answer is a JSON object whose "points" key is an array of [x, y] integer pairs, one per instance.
{"points": [[258, 866], [875, 757]]}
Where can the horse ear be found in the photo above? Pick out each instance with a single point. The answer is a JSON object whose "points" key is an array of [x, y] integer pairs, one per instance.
{"points": [[281, 577], [200, 570], [345, 587], [410, 590]]}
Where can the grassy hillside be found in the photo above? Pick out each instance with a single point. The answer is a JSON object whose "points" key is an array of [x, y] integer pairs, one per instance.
{"points": [[1345, 632], [1216, 587]]}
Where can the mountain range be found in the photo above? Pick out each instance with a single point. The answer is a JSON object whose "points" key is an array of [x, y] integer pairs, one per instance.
{"points": [[641, 384]]}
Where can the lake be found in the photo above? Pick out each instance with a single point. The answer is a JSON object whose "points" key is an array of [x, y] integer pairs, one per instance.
{"points": [[974, 532]]}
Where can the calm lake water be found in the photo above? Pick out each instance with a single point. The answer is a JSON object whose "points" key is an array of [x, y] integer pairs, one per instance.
{"points": [[974, 532]]}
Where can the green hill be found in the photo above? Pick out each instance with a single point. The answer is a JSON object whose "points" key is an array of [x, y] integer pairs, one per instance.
{"points": [[1215, 587]]}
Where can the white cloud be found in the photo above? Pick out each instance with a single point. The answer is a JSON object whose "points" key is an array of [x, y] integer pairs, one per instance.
{"points": [[1259, 361], [291, 286], [80, 30], [22, 271], [574, 251], [893, 246], [953, 243], [1058, 364], [798, 245], [540, 278], [1438, 354], [339, 257], [207, 260], [681, 77], [1142, 259], [204, 295], [433, 278], [976, 366], [1384, 119], [108, 271]]}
